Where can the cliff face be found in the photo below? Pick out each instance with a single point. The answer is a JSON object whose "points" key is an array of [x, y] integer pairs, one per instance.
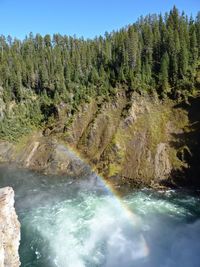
{"points": [[9, 230], [136, 140], [131, 140], [45, 154]]}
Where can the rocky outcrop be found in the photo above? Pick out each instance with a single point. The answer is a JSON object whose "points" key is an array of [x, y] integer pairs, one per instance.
{"points": [[6, 151], [45, 154], [131, 139], [9, 230]]}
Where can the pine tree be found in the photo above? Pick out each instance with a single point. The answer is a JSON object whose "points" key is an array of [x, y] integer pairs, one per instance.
{"points": [[164, 76]]}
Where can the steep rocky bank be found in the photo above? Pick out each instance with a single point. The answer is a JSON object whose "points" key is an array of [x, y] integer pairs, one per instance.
{"points": [[133, 139], [9, 230], [138, 140], [45, 154]]}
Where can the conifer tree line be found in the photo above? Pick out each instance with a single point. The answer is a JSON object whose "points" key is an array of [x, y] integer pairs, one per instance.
{"points": [[157, 54]]}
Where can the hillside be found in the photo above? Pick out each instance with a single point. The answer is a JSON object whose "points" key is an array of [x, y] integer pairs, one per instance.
{"points": [[127, 102]]}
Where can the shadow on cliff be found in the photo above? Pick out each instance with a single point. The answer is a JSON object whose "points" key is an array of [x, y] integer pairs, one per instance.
{"points": [[187, 145]]}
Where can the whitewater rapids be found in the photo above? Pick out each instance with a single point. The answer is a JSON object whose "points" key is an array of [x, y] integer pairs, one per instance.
{"points": [[80, 223]]}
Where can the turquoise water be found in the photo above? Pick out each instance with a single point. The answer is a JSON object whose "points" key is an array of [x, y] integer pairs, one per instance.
{"points": [[79, 223]]}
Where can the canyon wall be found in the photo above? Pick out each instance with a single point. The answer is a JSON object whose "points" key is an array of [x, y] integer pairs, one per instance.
{"points": [[138, 140]]}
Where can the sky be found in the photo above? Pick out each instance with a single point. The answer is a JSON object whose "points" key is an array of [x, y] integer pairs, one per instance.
{"points": [[87, 18]]}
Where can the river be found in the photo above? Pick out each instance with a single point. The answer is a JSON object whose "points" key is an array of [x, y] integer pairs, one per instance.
{"points": [[69, 222]]}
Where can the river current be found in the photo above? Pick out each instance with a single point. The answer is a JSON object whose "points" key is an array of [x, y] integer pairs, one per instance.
{"points": [[69, 222]]}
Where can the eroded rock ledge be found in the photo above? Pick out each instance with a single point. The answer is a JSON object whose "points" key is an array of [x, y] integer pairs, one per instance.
{"points": [[9, 230]]}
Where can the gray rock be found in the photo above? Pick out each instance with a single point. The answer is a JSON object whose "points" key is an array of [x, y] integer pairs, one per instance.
{"points": [[9, 230]]}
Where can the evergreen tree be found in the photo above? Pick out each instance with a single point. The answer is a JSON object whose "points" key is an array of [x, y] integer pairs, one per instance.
{"points": [[155, 53], [164, 76]]}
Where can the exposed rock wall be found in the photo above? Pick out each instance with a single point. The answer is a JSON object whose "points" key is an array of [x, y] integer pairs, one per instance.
{"points": [[9, 230], [130, 140], [45, 154], [136, 140]]}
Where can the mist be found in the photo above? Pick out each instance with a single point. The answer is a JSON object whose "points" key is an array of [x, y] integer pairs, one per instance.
{"points": [[70, 222]]}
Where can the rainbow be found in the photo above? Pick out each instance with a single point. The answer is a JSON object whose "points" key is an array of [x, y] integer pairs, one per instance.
{"points": [[132, 218]]}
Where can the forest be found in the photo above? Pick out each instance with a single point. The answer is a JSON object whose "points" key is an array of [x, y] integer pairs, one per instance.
{"points": [[158, 55]]}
